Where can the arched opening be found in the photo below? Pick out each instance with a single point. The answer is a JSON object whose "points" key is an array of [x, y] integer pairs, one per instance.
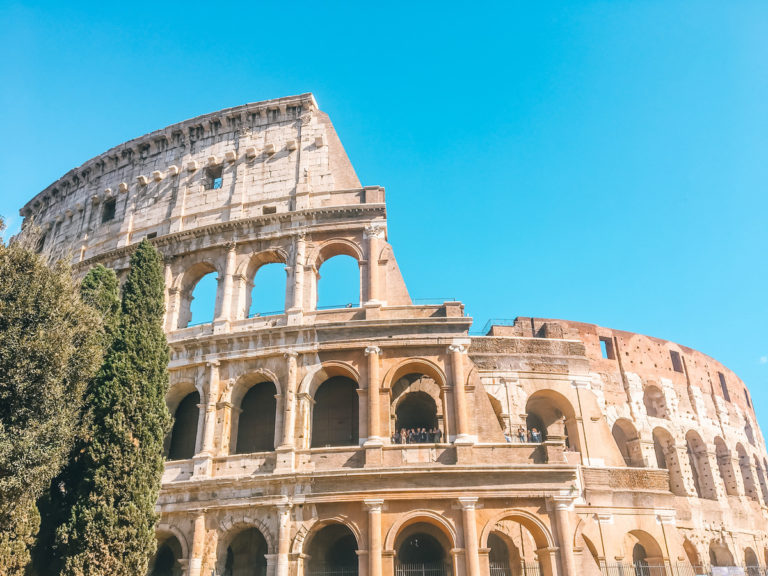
{"points": [[719, 554], [590, 563], [422, 548], [246, 554], [416, 413], [667, 458], [184, 431], [332, 552], [340, 285], [750, 490], [267, 295], [628, 441], [552, 415], [749, 433], [725, 467], [335, 413], [751, 562], [166, 560], [255, 423], [514, 549], [499, 413], [693, 555], [701, 471], [646, 555], [761, 480], [198, 296], [655, 403]]}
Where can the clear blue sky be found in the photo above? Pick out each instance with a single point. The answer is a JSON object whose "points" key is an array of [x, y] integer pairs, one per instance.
{"points": [[596, 161]]}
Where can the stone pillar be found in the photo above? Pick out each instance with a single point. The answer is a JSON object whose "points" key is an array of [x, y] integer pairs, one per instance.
{"points": [[717, 479], [471, 549], [373, 233], [226, 290], [548, 560], [374, 536], [198, 545], [172, 313], [563, 506], [297, 298], [286, 450], [374, 408], [283, 539], [460, 397], [204, 459]]}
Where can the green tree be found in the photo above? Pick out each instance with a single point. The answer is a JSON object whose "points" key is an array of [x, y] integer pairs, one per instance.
{"points": [[49, 350], [110, 530], [100, 290]]}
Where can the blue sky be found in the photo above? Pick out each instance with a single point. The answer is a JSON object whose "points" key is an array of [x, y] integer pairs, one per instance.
{"points": [[597, 161]]}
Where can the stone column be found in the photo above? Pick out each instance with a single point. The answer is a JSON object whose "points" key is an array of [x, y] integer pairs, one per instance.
{"points": [[286, 450], [283, 538], [198, 545], [373, 233], [203, 460], [225, 290], [471, 549], [374, 536], [460, 398], [374, 408], [174, 304], [297, 298], [562, 505]]}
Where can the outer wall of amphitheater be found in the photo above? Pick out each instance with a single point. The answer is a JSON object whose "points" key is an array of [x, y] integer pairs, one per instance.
{"points": [[282, 459]]}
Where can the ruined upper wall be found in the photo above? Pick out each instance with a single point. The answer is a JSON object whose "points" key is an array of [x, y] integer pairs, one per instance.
{"points": [[269, 157], [697, 387]]}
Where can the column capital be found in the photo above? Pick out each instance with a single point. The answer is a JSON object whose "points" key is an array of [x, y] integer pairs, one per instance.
{"points": [[374, 231], [460, 348], [372, 350], [563, 502], [468, 502], [604, 518], [374, 505], [290, 354], [666, 517], [212, 364], [230, 246]]}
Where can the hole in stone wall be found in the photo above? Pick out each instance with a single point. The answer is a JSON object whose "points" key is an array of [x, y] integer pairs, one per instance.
{"points": [[677, 363], [606, 347], [213, 177], [108, 210], [724, 386]]}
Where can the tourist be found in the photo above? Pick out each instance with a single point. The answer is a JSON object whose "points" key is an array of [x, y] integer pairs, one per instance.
{"points": [[521, 434], [535, 435]]}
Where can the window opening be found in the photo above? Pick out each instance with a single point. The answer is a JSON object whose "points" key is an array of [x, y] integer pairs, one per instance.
{"points": [[108, 210], [213, 177], [677, 364], [606, 347], [724, 386]]}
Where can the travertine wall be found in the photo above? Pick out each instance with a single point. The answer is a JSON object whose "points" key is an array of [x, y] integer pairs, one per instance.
{"points": [[643, 451]]}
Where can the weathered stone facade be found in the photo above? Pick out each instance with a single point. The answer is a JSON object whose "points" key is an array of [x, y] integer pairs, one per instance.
{"points": [[651, 452]]}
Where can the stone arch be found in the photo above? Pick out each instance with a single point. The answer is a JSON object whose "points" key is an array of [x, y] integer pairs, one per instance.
{"points": [[335, 247], [416, 400], [336, 413], [231, 531], [183, 439], [653, 554], [655, 402], [414, 365], [555, 413], [691, 553], [538, 529], [498, 411], [315, 377], [628, 442], [185, 284], [667, 458], [309, 528], [751, 562], [165, 529], [720, 554], [749, 432], [253, 427], [701, 471], [725, 467], [168, 557], [247, 271], [420, 516], [750, 489], [760, 473]]}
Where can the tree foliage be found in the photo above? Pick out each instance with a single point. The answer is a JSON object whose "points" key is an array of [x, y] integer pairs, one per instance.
{"points": [[110, 530], [100, 290], [49, 350]]}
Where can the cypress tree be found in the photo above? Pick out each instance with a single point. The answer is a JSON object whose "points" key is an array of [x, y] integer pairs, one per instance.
{"points": [[100, 290], [49, 350], [110, 530]]}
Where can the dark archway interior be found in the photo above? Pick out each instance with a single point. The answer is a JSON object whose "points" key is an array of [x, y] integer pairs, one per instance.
{"points": [[184, 431], [499, 554], [335, 414], [246, 554], [416, 410], [533, 420], [421, 548], [166, 563], [639, 554], [256, 423], [334, 546]]}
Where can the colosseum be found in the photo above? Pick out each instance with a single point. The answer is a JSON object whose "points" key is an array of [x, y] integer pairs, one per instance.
{"points": [[384, 437]]}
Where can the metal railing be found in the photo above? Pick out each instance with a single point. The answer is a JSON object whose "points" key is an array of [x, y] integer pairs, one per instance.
{"points": [[634, 569], [706, 570], [421, 569], [271, 313], [331, 571], [516, 569], [339, 306]]}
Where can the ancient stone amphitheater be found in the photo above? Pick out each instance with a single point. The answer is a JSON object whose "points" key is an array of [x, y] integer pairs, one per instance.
{"points": [[564, 448]]}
